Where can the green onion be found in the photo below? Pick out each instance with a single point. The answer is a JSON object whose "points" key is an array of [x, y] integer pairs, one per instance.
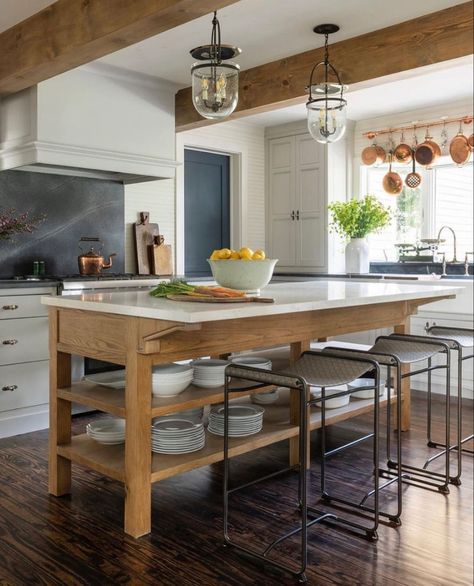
{"points": [[175, 287]]}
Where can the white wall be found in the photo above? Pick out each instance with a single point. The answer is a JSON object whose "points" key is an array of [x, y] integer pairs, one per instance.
{"points": [[165, 199], [156, 197]]}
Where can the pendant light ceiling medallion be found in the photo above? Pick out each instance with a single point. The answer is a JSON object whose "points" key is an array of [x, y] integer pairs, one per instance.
{"points": [[326, 106], [215, 80]]}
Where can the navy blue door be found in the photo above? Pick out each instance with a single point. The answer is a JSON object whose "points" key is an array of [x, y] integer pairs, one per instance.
{"points": [[206, 208]]}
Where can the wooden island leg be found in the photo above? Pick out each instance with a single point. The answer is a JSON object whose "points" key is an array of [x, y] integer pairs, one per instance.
{"points": [[296, 349], [59, 412], [138, 445], [404, 328]]}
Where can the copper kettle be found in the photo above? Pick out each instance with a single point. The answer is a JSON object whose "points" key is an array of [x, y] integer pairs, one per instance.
{"points": [[92, 262]]}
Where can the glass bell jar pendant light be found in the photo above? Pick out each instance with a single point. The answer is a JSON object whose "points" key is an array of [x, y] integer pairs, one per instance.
{"points": [[326, 105], [215, 80]]}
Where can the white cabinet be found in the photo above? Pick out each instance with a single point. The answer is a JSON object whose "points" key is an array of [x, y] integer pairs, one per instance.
{"points": [[24, 364], [296, 202]]}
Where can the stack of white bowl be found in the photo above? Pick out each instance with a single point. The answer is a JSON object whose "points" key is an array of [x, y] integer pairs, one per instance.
{"points": [[243, 420], [335, 403], [209, 372], [258, 362], [170, 379], [177, 435], [365, 393], [110, 431]]}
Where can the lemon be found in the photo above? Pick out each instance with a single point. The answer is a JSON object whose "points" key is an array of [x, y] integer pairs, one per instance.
{"points": [[215, 255], [246, 253], [224, 253], [234, 255], [258, 255]]}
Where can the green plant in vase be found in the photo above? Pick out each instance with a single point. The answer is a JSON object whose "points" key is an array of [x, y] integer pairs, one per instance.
{"points": [[354, 220]]}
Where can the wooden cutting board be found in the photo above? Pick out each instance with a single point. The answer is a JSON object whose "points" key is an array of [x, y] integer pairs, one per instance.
{"points": [[144, 233], [221, 299], [161, 259]]}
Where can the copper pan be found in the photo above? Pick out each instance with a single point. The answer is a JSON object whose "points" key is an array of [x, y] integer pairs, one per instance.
{"points": [[373, 155], [392, 182], [459, 148], [470, 140], [427, 152], [403, 152]]}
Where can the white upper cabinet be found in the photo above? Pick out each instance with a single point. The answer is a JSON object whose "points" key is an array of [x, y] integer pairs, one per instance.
{"points": [[296, 202]]}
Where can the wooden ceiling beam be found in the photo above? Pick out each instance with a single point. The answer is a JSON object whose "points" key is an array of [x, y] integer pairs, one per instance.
{"points": [[70, 33], [433, 38]]}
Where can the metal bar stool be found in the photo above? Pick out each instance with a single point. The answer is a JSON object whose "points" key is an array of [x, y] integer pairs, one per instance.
{"points": [[312, 369], [394, 352], [459, 339]]}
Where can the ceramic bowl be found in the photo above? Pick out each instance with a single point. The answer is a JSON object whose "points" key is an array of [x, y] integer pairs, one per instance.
{"points": [[243, 275], [331, 403], [366, 393]]}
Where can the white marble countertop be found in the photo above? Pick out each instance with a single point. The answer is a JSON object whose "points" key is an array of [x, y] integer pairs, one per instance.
{"points": [[289, 298]]}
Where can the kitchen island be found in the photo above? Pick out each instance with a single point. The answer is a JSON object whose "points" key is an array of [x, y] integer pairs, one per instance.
{"points": [[138, 331]]}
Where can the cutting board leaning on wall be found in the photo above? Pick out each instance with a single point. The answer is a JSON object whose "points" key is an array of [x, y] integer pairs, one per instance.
{"points": [[144, 236]]}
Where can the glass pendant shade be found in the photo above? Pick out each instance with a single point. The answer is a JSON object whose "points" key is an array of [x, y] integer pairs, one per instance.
{"points": [[327, 118], [326, 107], [215, 88]]}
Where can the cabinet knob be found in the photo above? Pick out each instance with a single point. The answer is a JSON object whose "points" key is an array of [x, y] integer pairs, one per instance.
{"points": [[10, 307], [10, 388], [297, 214], [292, 215], [9, 342]]}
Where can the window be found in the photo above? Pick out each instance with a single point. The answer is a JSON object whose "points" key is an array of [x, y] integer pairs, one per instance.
{"points": [[445, 197]]}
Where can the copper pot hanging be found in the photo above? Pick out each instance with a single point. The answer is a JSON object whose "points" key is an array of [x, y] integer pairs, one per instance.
{"points": [[459, 148], [470, 141], [373, 155], [428, 151], [392, 182], [403, 152]]}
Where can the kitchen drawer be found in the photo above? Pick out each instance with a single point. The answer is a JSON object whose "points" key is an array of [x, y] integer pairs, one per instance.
{"points": [[29, 382], [23, 340], [13, 306]]}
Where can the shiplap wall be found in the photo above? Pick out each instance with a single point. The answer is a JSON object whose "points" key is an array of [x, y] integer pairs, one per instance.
{"points": [[156, 197]]}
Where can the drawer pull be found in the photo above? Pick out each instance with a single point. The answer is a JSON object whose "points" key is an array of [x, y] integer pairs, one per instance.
{"points": [[10, 388], [10, 307], [9, 342]]}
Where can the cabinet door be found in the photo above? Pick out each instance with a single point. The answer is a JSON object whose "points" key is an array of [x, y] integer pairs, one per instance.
{"points": [[24, 385], [15, 306], [281, 200], [310, 203], [23, 340]]}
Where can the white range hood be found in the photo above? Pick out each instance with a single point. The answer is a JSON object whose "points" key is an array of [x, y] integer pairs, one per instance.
{"points": [[94, 121]]}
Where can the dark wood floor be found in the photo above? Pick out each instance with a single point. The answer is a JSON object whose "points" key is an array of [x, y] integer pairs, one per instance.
{"points": [[79, 540]]}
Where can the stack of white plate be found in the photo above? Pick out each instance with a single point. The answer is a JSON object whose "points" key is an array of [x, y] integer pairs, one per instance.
{"points": [[365, 393], [109, 431], [171, 379], [243, 420], [177, 436], [209, 372], [329, 391], [196, 414]]}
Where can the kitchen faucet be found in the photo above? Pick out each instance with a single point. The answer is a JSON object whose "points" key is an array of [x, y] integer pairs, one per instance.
{"points": [[454, 239]]}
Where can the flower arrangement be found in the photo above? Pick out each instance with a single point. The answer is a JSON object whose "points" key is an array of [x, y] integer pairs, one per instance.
{"points": [[11, 224], [357, 218]]}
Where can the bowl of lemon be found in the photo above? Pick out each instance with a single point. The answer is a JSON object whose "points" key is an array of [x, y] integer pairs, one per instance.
{"points": [[244, 269]]}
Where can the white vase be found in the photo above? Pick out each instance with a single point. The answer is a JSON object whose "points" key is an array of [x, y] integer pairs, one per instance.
{"points": [[357, 256]]}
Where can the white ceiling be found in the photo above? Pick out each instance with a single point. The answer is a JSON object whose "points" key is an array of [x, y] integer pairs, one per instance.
{"points": [[418, 88], [14, 11], [266, 30]]}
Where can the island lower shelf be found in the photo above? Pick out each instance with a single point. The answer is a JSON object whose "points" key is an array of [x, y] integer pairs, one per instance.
{"points": [[110, 460]]}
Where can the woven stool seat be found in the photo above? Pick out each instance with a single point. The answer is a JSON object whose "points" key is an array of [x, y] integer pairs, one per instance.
{"points": [[463, 337], [407, 351]]}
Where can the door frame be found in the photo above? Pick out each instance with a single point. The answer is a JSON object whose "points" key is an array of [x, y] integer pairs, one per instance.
{"points": [[238, 196]]}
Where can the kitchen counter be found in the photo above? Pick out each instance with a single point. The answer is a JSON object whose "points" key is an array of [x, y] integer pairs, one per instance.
{"points": [[138, 331], [24, 284], [305, 296]]}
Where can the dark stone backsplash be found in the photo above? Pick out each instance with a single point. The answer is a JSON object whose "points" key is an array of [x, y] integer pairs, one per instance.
{"points": [[74, 207]]}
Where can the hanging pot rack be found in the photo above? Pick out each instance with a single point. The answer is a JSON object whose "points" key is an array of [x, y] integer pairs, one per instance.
{"points": [[418, 125]]}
